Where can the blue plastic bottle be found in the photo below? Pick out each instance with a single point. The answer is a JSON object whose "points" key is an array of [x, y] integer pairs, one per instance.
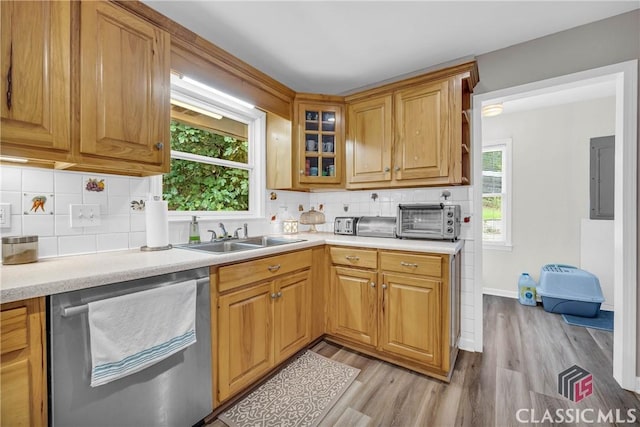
{"points": [[526, 290]]}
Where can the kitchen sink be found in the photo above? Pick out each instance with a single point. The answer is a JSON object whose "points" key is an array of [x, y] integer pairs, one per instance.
{"points": [[240, 245]]}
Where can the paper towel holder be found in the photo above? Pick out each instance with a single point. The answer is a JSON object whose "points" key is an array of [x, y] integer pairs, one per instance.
{"points": [[159, 248]]}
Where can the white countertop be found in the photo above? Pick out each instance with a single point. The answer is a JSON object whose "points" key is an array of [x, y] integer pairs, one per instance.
{"points": [[70, 273]]}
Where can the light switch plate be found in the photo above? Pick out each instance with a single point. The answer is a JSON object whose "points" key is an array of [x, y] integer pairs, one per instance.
{"points": [[84, 215], [5, 215]]}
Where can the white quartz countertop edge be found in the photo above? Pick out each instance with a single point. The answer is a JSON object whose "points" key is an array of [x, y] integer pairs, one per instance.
{"points": [[70, 273]]}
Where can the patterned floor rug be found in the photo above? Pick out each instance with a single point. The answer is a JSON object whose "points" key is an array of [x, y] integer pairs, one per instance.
{"points": [[300, 395]]}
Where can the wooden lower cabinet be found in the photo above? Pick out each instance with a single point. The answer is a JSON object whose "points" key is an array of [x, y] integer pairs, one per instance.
{"points": [[23, 379], [396, 307], [354, 305], [410, 322], [258, 327]]}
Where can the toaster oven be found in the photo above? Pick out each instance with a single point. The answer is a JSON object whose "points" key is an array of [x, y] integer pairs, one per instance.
{"points": [[428, 221]]}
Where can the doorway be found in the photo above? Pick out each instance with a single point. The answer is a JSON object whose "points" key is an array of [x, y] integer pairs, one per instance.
{"points": [[624, 76]]}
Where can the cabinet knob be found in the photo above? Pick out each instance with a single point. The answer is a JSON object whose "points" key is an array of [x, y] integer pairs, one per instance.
{"points": [[274, 296], [372, 284], [159, 146], [273, 268], [397, 169], [301, 172], [279, 294], [387, 169], [384, 286]]}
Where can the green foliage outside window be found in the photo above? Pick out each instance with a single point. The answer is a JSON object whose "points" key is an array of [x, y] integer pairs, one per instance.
{"points": [[193, 186]]}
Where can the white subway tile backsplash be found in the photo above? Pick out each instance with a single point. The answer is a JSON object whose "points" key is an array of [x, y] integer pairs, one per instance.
{"points": [[10, 178], [139, 187], [119, 205], [16, 227], [117, 224], [95, 198], [138, 222], [40, 225], [112, 242], [68, 182], [37, 180], [76, 245], [47, 247], [14, 198], [62, 202], [137, 239], [63, 226], [118, 186]]}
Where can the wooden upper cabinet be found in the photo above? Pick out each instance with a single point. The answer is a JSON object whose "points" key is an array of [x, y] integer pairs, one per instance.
{"points": [[369, 140], [35, 81], [125, 87], [422, 132]]}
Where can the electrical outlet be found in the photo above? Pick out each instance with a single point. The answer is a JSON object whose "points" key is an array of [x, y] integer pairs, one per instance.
{"points": [[5, 215], [84, 215]]}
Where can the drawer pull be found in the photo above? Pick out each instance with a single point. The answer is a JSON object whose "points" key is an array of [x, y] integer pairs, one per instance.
{"points": [[352, 258], [273, 268], [408, 264]]}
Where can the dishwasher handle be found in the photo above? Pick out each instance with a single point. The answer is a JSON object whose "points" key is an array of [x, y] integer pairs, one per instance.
{"points": [[84, 308]]}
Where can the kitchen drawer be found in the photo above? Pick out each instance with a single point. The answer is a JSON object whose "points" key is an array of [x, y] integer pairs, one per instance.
{"points": [[14, 329], [354, 257], [236, 275], [428, 265]]}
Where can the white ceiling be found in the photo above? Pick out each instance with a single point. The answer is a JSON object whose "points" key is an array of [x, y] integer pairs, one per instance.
{"points": [[334, 47]]}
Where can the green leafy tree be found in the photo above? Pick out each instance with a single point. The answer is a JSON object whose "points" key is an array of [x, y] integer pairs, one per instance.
{"points": [[192, 186]]}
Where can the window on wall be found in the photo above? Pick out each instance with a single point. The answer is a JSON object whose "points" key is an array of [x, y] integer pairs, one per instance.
{"points": [[216, 156], [496, 183]]}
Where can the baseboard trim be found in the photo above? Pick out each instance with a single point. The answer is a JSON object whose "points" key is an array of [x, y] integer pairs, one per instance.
{"points": [[466, 344], [500, 293]]}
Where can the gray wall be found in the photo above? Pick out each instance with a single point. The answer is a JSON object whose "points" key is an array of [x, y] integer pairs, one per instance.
{"points": [[610, 41]]}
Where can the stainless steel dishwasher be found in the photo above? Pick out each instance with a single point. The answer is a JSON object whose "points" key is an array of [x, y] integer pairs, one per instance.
{"points": [[173, 392]]}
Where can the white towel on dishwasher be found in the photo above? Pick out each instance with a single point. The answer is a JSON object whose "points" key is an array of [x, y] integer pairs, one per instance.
{"points": [[131, 332]]}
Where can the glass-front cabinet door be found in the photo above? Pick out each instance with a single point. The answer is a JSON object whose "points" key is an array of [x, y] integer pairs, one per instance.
{"points": [[320, 143]]}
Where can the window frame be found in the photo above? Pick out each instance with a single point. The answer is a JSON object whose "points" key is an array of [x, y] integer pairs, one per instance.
{"points": [[200, 95], [504, 145]]}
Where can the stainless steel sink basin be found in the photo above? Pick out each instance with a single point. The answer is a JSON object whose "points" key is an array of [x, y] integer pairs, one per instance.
{"points": [[240, 245]]}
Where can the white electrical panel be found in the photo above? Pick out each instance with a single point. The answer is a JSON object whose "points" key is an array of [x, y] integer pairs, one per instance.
{"points": [[84, 215], [5, 215]]}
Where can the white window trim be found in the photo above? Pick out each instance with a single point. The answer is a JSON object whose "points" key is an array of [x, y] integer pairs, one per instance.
{"points": [[197, 95], [506, 244]]}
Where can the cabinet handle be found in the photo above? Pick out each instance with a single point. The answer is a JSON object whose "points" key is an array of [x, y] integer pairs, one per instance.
{"points": [[273, 268], [387, 169], [397, 169], [279, 294], [301, 172], [159, 146], [408, 264], [372, 284], [352, 258], [274, 296], [9, 77], [384, 286]]}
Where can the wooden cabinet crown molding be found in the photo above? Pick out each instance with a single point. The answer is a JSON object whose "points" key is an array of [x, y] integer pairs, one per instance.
{"points": [[231, 74]]}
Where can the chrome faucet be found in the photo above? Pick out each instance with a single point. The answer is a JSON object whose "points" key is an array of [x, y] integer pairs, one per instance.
{"points": [[224, 231], [235, 233], [214, 236]]}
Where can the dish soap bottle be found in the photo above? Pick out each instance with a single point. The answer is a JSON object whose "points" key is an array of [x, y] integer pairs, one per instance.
{"points": [[194, 230]]}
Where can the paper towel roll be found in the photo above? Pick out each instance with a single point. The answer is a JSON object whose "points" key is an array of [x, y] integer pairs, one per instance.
{"points": [[157, 217]]}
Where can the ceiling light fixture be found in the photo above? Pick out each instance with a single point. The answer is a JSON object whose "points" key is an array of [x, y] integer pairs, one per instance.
{"points": [[13, 159], [491, 110], [196, 109]]}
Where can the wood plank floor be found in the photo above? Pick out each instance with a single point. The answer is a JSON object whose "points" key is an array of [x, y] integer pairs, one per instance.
{"points": [[524, 350]]}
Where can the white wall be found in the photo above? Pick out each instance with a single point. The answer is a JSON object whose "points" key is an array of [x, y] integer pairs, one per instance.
{"points": [[550, 186]]}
